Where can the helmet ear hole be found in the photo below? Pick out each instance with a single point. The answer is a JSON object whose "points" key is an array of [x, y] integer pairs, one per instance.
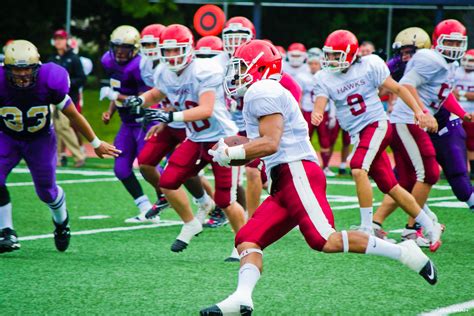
{"points": [[261, 68]]}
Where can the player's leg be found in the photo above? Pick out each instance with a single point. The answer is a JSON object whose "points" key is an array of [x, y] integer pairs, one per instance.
{"points": [[254, 188], [269, 223], [40, 156], [9, 157], [201, 197], [181, 166], [451, 155], [469, 129], [324, 137], [345, 150], [123, 167]]}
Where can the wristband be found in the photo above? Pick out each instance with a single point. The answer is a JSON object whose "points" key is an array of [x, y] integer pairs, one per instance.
{"points": [[177, 116], [236, 152], [143, 100], [462, 93], [96, 142]]}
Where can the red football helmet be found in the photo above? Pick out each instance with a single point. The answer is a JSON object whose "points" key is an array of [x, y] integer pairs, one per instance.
{"points": [[467, 61], [340, 42], [296, 54], [450, 39], [252, 61], [237, 30], [282, 51], [150, 39], [176, 46], [209, 46]]}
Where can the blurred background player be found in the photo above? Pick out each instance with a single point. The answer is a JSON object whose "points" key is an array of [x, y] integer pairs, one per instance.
{"points": [[27, 89], [464, 92], [352, 82], [67, 133], [194, 87], [366, 48], [122, 66], [296, 56], [279, 135]]}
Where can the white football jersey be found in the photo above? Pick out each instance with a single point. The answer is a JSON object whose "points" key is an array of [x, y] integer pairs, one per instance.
{"points": [[439, 78], [267, 97], [355, 93], [294, 71], [183, 91], [147, 70], [306, 80], [465, 81]]}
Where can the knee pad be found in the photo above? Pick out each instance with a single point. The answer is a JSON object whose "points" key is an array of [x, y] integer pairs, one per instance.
{"points": [[4, 195]]}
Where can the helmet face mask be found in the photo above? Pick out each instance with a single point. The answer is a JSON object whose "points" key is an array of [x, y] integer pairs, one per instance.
{"points": [[334, 60], [237, 79], [176, 55], [452, 46], [467, 62], [22, 64], [150, 47], [296, 58], [22, 77], [122, 53], [233, 39]]}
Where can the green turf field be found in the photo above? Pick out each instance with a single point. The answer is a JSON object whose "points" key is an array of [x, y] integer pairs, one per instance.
{"points": [[134, 272]]}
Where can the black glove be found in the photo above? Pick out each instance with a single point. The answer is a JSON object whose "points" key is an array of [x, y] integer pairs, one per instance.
{"points": [[132, 101], [152, 115]]}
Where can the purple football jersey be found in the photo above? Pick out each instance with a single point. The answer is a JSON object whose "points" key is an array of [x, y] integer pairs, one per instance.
{"points": [[125, 79], [26, 113]]}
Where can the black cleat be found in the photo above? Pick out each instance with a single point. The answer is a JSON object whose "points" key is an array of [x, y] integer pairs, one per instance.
{"points": [[178, 246], [62, 235], [231, 259], [214, 310], [216, 219], [157, 208], [342, 171], [8, 240], [63, 161], [429, 273]]}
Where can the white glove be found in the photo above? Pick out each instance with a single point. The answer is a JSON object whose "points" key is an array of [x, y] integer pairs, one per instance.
{"points": [[219, 155], [109, 93], [233, 105], [331, 121]]}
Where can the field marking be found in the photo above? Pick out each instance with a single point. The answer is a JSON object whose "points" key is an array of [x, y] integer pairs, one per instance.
{"points": [[26, 184], [67, 171], [456, 308], [94, 217], [163, 223]]}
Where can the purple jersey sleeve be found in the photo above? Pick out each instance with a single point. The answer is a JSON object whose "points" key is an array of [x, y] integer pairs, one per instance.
{"points": [[57, 80]]}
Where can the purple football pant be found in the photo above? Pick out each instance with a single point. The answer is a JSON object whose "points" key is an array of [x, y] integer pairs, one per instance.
{"points": [[130, 140], [39, 154], [451, 155]]}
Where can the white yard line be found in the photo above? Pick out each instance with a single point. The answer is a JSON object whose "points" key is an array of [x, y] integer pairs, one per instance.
{"points": [[163, 223], [68, 171], [456, 308], [26, 184]]}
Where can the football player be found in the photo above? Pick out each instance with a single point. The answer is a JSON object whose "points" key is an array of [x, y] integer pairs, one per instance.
{"points": [[352, 82], [192, 86], [464, 92], [279, 135], [27, 89], [297, 56], [429, 76]]}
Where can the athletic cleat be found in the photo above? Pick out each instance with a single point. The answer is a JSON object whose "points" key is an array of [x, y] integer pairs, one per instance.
{"points": [[157, 208], [412, 256], [367, 230], [342, 171], [214, 310], [8, 240], [204, 209], [142, 218], [234, 256], [188, 231], [380, 233], [416, 235], [62, 235], [328, 173], [434, 218], [216, 219], [434, 236]]}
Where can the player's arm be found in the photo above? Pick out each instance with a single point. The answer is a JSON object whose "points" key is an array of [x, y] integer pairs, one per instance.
{"points": [[145, 100], [453, 106], [101, 148], [463, 95], [406, 94], [318, 110]]}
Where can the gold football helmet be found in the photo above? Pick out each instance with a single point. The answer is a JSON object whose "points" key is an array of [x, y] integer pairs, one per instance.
{"points": [[124, 43], [22, 63], [412, 36]]}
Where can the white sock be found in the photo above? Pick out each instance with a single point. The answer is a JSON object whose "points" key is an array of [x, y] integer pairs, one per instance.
{"points": [[380, 247], [248, 278], [58, 207], [366, 217], [342, 165], [203, 199], [143, 203], [470, 202], [6, 216], [425, 221], [426, 208]]}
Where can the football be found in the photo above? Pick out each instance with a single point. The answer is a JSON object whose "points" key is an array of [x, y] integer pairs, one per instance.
{"points": [[232, 141]]}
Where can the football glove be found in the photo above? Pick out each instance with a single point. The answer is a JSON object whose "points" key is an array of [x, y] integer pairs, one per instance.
{"points": [[133, 101], [109, 93], [152, 115], [219, 155]]}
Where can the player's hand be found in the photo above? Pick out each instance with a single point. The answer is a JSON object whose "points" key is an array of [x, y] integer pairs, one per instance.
{"points": [[109, 93], [468, 117], [316, 118], [426, 120], [152, 115], [133, 101], [106, 116], [105, 149], [220, 155], [154, 131]]}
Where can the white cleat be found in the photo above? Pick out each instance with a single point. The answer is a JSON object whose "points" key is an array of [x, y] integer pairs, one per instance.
{"points": [[434, 236], [204, 209], [417, 236], [367, 230], [234, 256], [231, 306], [188, 231], [380, 233], [328, 173], [141, 218], [412, 257]]}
